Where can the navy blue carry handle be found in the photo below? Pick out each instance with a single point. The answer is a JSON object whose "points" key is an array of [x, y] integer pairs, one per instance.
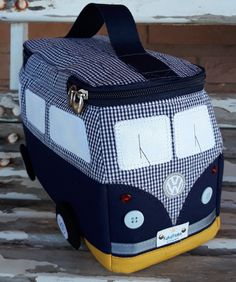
{"points": [[123, 36]]}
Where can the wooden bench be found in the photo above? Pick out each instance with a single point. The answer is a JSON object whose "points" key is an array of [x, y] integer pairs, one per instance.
{"points": [[190, 11], [31, 246]]}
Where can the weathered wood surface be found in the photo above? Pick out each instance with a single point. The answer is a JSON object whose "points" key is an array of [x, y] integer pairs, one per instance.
{"points": [[32, 248], [143, 11], [64, 265], [225, 109], [9, 107], [15, 188], [28, 223]]}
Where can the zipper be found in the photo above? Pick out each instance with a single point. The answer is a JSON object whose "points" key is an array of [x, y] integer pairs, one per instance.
{"points": [[77, 98], [80, 93]]}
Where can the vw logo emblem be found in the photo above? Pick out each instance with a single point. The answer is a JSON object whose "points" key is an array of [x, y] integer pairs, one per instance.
{"points": [[174, 185]]}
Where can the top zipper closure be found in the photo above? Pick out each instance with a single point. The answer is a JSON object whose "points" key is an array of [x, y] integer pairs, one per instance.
{"points": [[76, 98], [79, 92], [103, 96]]}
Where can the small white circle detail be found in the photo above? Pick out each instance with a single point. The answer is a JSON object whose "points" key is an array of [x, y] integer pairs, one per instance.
{"points": [[207, 195], [62, 226], [174, 185], [134, 219]]}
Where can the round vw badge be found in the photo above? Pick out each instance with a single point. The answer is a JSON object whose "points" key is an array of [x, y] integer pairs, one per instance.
{"points": [[174, 185]]}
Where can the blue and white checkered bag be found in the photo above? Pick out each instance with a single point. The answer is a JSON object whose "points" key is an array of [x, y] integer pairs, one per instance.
{"points": [[124, 140]]}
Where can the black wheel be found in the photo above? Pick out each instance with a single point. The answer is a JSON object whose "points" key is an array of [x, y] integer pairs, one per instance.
{"points": [[28, 165], [68, 224]]}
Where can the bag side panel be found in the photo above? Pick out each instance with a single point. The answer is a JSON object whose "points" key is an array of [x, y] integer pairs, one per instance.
{"points": [[66, 184]]}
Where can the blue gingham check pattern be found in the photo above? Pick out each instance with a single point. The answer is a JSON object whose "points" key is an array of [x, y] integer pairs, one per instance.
{"points": [[151, 178], [93, 60], [46, 74]]}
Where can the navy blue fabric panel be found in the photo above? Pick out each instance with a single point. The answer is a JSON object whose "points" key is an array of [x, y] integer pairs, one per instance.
{"points": [[220, 178], [65, 183], [193, 209], [155, 215]]}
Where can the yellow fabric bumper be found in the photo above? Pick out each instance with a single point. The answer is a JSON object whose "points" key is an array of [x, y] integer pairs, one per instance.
{"points": [[138, 262]]}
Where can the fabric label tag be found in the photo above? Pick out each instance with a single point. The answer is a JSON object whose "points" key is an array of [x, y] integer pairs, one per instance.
{"points": [[172, 234]]}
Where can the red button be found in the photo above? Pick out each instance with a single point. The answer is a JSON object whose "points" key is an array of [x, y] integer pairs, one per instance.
{"points": [[125, 198], [214, 170]]}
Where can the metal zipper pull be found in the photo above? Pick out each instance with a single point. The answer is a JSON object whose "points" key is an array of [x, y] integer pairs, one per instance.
{"points": [[76, 98]]}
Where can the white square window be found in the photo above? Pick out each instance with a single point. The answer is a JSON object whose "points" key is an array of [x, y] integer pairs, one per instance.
{"points": [[193, 132], [35, 110], [143, 142], [69, 132]]}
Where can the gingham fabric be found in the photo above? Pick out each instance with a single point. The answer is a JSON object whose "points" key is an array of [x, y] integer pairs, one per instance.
{"points": [[94, 169], [46, 74], [151, 178], [95, 62]]}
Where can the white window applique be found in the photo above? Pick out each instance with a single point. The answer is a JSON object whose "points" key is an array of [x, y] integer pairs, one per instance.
{"points": [[143, 142], [193, 132], [69, 132], [35, 110]]}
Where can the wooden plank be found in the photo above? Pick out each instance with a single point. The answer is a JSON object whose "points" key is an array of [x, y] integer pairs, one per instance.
{"points": [[61, 264], [19, 34], [229, 172], [12, 210], [11, 136], [9, 107], [228, 198], [21, 189], [225, 109], [228, 225], [15, 168], [144, 12], [229, 137]]}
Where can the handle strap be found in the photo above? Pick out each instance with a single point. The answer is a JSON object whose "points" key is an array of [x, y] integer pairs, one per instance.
{"points": [[123, 36]]}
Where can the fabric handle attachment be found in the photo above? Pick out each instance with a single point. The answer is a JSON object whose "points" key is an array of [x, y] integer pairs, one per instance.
{"points": [[123, 36]]}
